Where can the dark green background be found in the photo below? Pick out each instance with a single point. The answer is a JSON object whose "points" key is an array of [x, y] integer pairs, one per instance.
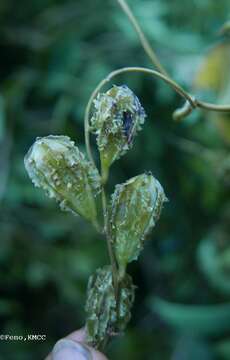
{"points": [[52, 55]]}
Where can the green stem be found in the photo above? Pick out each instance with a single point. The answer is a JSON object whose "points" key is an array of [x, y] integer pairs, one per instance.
{"points": [[104, 170], [109, 242]]}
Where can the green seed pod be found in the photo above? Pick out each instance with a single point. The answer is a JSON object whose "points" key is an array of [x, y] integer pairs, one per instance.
{"points": [[117, 117], [135, 208], [105, 317], [55, 164]]}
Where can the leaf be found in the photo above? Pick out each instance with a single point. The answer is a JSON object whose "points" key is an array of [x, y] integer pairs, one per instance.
{"points": [[209, 261], [213, 76], [213, 71], [197, 320]]}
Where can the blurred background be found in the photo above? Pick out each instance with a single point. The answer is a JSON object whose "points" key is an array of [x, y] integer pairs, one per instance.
{"points": [[52, 55]]}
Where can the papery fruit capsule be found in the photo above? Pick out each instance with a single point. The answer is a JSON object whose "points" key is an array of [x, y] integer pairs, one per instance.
{"points": [[135, 208], [117, 117], [55, 164], [106, 317]]}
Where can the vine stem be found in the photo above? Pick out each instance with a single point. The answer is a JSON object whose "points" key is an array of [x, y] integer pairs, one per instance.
{"points": [[144, 42], [212, 107], [186, 109]]}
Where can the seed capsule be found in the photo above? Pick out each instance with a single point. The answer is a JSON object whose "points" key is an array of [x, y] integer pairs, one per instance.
{"points": [[135, 208], [56, 165], [118, 115], [104, 316]]}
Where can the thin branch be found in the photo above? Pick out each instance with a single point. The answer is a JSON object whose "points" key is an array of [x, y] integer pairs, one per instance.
{"points": [[144, 42], [213, 107]]}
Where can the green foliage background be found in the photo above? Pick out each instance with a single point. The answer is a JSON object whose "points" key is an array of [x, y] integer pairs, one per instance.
{"points": [[53, 54]]}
